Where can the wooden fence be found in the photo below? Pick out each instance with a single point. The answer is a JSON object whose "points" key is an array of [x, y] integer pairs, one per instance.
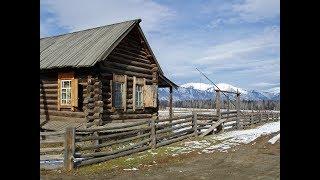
{"points": [[94, 145]]}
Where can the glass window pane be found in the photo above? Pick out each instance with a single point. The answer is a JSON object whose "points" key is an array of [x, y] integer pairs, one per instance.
{"points": [[63, 90], [63, 101], [63, 96]]}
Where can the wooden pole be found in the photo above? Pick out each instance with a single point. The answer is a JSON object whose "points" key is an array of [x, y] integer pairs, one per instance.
{"points": [[153, 132], [170, 103], [218, 109], [238, 109], [195, 123], [69, 147]]}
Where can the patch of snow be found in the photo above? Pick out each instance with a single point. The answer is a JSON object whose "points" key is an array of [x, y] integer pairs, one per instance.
{"points": [[274, 139], [233, 138], [132, 169]]}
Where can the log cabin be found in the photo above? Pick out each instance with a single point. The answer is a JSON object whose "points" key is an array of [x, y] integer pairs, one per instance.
{"points": [[97, 76]]}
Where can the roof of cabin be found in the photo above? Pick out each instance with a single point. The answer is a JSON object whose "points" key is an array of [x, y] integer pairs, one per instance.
{"points": [[87, 47]]}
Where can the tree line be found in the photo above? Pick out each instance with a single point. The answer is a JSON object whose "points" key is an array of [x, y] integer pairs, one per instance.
{"points": [[210, 104]]}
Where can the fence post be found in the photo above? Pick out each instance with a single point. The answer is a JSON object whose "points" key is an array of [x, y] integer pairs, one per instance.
{"points": [[238, 109], [69, 148], [153, 131], [218, 110], [195, 124]]}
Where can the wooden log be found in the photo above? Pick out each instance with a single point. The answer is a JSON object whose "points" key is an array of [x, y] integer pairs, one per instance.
{"points": [[170, 103], [105, 158], [54, 133], [52, 150], [43, 142], [173, 123], [69, 148], [127, 72], [128, 56], [195, 124], [90, 138], [62, 113], [103, 153], [120, 59], [153, 132], [174, 118], [115, 127], [238, 109], [176, 134], [170, 129], [126, 67], [113, 142], [166, 142]]}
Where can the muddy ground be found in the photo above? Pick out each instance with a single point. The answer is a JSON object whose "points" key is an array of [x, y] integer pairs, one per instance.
{"points": [[257, 160]]}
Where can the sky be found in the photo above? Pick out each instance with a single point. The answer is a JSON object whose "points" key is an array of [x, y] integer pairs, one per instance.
{"points": [[235, 41]]}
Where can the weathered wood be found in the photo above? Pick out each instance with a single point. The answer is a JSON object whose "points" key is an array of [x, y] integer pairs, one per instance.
{"points": [[174, 118], [52, 150], [170, 129], [127, 67], [105, 158], [195, 123], [166, 142], [127, 61], [238, 109], [114, 127], [214, 126], [173, 123], [62, 113], [127, 72], [170, 102], [90, 138], [176, 134], [43, 142], [69, 148], [153, 132], [54, 133], [113, 142], [108, 153]]}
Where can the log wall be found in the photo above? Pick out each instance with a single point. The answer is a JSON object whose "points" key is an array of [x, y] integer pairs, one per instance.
{"points": [[49, 98], [132, 58]]}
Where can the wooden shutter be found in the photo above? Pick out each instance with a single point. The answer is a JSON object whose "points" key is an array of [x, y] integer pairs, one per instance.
{"points": [[134, 93], [59, 95], [150, 95], [74, 92]]}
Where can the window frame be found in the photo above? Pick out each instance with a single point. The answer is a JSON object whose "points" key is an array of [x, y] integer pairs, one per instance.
{"points": [[121, 79], [119, 95], [61, 92], [141, 96]]}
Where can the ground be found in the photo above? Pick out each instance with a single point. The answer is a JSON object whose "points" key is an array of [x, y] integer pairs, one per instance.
{"points": [[258, 159]]}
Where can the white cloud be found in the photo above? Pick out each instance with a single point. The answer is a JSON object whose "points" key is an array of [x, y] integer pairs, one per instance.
{"points": [[265, 84], [257, 44], [257, 10], [82, 14]]}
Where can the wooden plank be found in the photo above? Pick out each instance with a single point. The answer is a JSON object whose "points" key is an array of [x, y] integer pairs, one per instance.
{"points": [[163, 143], [113, 142], [52, 150], [103, 153], [105, 158], [219, 122], [69, 148]]}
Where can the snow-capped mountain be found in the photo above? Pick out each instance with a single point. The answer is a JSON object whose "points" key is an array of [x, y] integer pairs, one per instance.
{"points": [[193, 91]]}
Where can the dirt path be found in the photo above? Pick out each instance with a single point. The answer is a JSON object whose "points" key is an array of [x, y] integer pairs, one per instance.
{"points": [[256, 160]]}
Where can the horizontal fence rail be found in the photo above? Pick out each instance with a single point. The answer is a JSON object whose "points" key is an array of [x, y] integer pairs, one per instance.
{"points": [[79, 147]]}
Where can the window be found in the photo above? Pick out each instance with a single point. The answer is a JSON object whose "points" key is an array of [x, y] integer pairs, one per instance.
{"points": [[65, 92], [138, 96], [117, 94]]}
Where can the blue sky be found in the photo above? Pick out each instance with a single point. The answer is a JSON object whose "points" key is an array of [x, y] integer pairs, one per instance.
{"points": [[234, 41]]}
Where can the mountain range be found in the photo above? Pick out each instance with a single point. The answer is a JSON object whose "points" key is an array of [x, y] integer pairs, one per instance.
{"points": [[202, 91]]}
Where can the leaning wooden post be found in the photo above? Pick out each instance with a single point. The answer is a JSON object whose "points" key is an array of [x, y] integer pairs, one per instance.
{"points": [[69, 148], [170, 103], [218, 109], [238, 109], [153, 132], [195, 123]]}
